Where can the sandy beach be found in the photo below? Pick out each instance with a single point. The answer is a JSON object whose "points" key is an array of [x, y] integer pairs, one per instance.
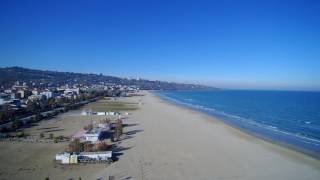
{"points": [[162, 141], [171, 142]]}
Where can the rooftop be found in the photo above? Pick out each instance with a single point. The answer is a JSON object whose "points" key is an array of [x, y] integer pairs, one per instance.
{"points": [[99, 152], [95, 130]]}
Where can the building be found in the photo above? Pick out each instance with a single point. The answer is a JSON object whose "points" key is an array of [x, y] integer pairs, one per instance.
{"points": [[73, 159], [79, 135], [48, 94], [15, 95], [64, 157], [97, 156], [86, 113], [104, 126], [35, 92], [35, 97], [22, 93], [72, 91], [8, 91], [101, 113], [67, 158], [4, 98], [93, 135]]}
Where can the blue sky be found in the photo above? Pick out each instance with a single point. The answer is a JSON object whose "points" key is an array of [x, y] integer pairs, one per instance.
{"points": [[261, 44]]}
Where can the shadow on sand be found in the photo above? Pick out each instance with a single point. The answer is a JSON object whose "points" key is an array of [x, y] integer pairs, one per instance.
{"points": [[117, 151], [133, 132], [130, 125]]}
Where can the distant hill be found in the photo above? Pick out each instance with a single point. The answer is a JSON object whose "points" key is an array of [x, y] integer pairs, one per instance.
{"points": [[9, 75]]}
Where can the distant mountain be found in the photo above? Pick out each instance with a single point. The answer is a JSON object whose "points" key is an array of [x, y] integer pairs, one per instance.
{"points": [[9, 75]]}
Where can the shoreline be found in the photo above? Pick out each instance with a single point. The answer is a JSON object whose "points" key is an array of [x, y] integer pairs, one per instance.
{"points": [[174, 142], [250, 132]]}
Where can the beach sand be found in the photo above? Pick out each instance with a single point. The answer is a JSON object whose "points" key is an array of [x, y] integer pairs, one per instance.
{"points": [[172, 142], [35, 160], [162, 141]]}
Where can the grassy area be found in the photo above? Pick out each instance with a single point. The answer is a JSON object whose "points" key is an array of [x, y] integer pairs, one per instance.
{"points": [[109, 105]]}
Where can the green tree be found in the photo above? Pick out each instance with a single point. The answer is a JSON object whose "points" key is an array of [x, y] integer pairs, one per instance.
{"points": [[37, 117], [119, 129], [88, 147], [56, 140], [3, 116], [15, 124], [41, 135], [20, 134], [8, 112], [31, 106], [52, 103], [76, 146], [102, 146]]}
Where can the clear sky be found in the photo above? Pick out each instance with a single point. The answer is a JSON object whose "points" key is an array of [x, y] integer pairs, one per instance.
{"points": [[262, 44]]}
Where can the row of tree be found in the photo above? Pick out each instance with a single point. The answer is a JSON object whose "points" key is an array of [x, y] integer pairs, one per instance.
{"points": [[8, 114], [77, 146]]}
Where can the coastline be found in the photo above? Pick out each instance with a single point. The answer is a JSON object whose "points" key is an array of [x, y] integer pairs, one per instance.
{"points": [[161, 141], [254, 133], [174, 142]]}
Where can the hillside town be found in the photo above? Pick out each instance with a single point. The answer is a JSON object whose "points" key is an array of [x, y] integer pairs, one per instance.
{"points": [[25, 102]]}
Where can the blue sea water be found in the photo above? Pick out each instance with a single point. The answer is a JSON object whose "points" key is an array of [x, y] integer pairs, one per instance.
{"points": [[290, 118]]}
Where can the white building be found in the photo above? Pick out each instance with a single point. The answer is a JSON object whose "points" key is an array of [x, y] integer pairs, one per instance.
{"points": [[35, 97], [67, 158], [93, 135], [100, 156], [64, 158], [48, 94], [104, 126], [111, 113], [101, 113], [72, 90], [35, 92], [22, 93], [8, 91], [86, 113], [4, 98]]}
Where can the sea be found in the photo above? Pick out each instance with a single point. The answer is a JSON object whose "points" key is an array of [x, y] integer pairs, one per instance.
{"points": [[288, 118]]}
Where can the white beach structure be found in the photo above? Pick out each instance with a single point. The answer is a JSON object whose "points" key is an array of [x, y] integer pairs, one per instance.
{"points": [[93, 135], [111, 113], [99, 156], [104, 126], [67, 158], [86, 112], [90, 112], [101, 113], [64, 158]]}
